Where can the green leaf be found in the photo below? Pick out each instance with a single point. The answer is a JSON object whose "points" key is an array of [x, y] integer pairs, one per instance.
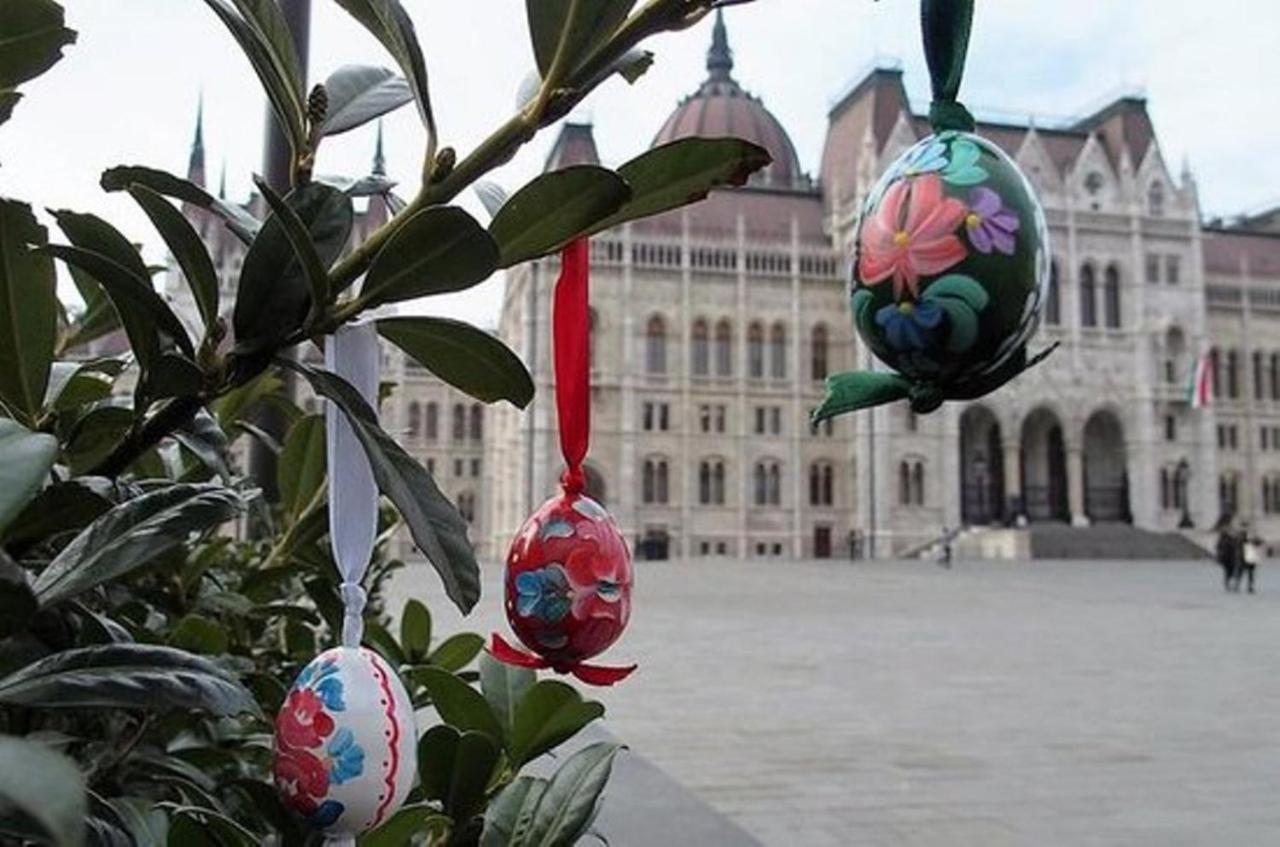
{"points": [[863, 315], [963, 321], [455, 769], [198, 634], [25, 461], [274, 297], [459, 705], [457, 651], [43, 785], [849, 392], [132, 534], [239, 221], [681, 173], [469, 359], [554, 209], [284, 94], [550, 27], [437, 528], [96, 434], [61, 507], [958, 287], [17, 602], [415, 629], [98, 318], [147, 824], [28, 306], [548, 715], [504, 686], [127, 676], [303, 465], [360, 93], [401, 827], [187, 248], [388, 22], [32, 36], [571, 801], [192, 826], [379, 639], [102, 252], [314, 271], [438, 250], [509, 817]]}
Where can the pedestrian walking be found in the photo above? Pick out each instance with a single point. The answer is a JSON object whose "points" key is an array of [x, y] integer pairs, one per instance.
{"points": [[1252, 555], [1227, 550]]}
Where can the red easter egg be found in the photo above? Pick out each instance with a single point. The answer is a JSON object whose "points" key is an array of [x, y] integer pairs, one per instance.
{"points": [[568, 584]]}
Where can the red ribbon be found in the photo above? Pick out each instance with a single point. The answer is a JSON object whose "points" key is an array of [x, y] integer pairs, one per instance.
{"points": [[590, 674], [571, 328]]}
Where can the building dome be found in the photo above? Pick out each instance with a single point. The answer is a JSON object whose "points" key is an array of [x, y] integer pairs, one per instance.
{"points": [[721, 107]]}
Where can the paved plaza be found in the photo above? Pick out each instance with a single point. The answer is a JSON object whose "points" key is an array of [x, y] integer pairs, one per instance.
{"points": [[814, 704]]}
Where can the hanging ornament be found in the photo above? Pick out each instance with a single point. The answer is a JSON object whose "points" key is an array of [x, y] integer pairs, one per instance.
{"points": [[951, 255], [568, 578], [345, 737]]}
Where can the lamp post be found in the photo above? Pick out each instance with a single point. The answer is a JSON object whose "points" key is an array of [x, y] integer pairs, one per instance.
{"points": [[1182, 476]]}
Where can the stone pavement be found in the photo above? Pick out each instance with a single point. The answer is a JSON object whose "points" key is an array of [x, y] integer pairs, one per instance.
{"points": [[1081, 703]]}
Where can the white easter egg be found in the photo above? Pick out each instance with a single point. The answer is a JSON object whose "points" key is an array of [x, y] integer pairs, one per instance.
{"points": [[345, 742]]}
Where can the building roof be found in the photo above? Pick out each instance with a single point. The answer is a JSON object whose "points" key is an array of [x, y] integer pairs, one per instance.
{"points": [[576, 145], [1237, 252], [721, 107]]}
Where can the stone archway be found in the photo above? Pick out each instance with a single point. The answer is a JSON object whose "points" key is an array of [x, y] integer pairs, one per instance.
{"points": [[1044, 468], [982, 494], [1106, 479]]}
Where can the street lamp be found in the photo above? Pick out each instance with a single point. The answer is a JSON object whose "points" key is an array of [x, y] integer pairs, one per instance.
{"points": [[1181, 476]]}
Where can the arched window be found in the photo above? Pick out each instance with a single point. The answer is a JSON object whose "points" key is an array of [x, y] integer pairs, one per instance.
{"points": [[415, 420], [755, 351], [778, 351], [1259, 378], [904, 484], [917, 484], [655, 482], [655, 347], [1233, 374], [433, 421], [1112, 298], [821, 484], [1155, 199], [724, 348], [818, 365], [704, 483], [664, 482], [467, 506], [717, 483], [1166, 489], [459, 422], [1088, 296], [828, 485], [775, 484], [760, 478], [593, 322], [711, 482], [477, 422], [1053, 299], [700, 361]]}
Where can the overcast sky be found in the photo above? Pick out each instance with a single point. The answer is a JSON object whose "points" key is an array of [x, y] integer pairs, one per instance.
{"points": [[127, 91]]}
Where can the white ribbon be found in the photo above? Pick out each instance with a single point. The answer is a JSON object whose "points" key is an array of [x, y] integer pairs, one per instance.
{"points": [[354, 354]]}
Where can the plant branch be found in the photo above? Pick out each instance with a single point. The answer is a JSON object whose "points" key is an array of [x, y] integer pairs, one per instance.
{"points": [[176, 413]]}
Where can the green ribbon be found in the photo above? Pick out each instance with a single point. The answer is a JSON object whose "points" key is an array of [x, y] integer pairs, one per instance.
{"points": [[946, 25], [849, 392]]}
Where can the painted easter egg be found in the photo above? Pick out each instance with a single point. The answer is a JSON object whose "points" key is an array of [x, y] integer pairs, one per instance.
{"points": [[568, 581], [344, 742], [952, 261]]}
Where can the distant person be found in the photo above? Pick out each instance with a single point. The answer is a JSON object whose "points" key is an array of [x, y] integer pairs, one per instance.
{"points": [[947, 535], [1251, 556], [1228, 551]]}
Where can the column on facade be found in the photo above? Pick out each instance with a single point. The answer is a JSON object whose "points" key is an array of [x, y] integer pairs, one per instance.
{"points": [[1142, 470], [630, 364], [1075, 484], [1014, 507], [686, 467], [798, 427], [739, 423]]}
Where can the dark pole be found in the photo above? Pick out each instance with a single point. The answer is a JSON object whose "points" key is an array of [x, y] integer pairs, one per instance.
{"points": [[278, 172]]}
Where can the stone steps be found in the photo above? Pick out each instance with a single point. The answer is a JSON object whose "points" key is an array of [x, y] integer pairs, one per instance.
{"points": [[1109, 541]]}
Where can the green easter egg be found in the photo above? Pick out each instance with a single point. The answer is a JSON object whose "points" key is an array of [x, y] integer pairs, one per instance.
{"points": [[951, 262]]}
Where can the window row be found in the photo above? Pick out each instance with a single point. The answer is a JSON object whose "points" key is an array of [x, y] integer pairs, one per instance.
{"points": [[1100, 301], [911, 483], [1227, 367], [1269, 437], [1228, 437], [1164, 268], [655, 416], [424, 421], [1271, 495], [711, 349], [766, 479]]}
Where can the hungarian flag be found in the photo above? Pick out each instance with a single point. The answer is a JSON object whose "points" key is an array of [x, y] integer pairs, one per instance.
{"points": [[1200, 388]]}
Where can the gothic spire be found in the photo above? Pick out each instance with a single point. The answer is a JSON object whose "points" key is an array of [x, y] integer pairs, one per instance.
{"points": [[719, 57], [195, 167], [379, 160]]}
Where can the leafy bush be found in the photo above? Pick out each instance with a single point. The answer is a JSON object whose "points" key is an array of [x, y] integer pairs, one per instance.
{"points": [[153, 604]]}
